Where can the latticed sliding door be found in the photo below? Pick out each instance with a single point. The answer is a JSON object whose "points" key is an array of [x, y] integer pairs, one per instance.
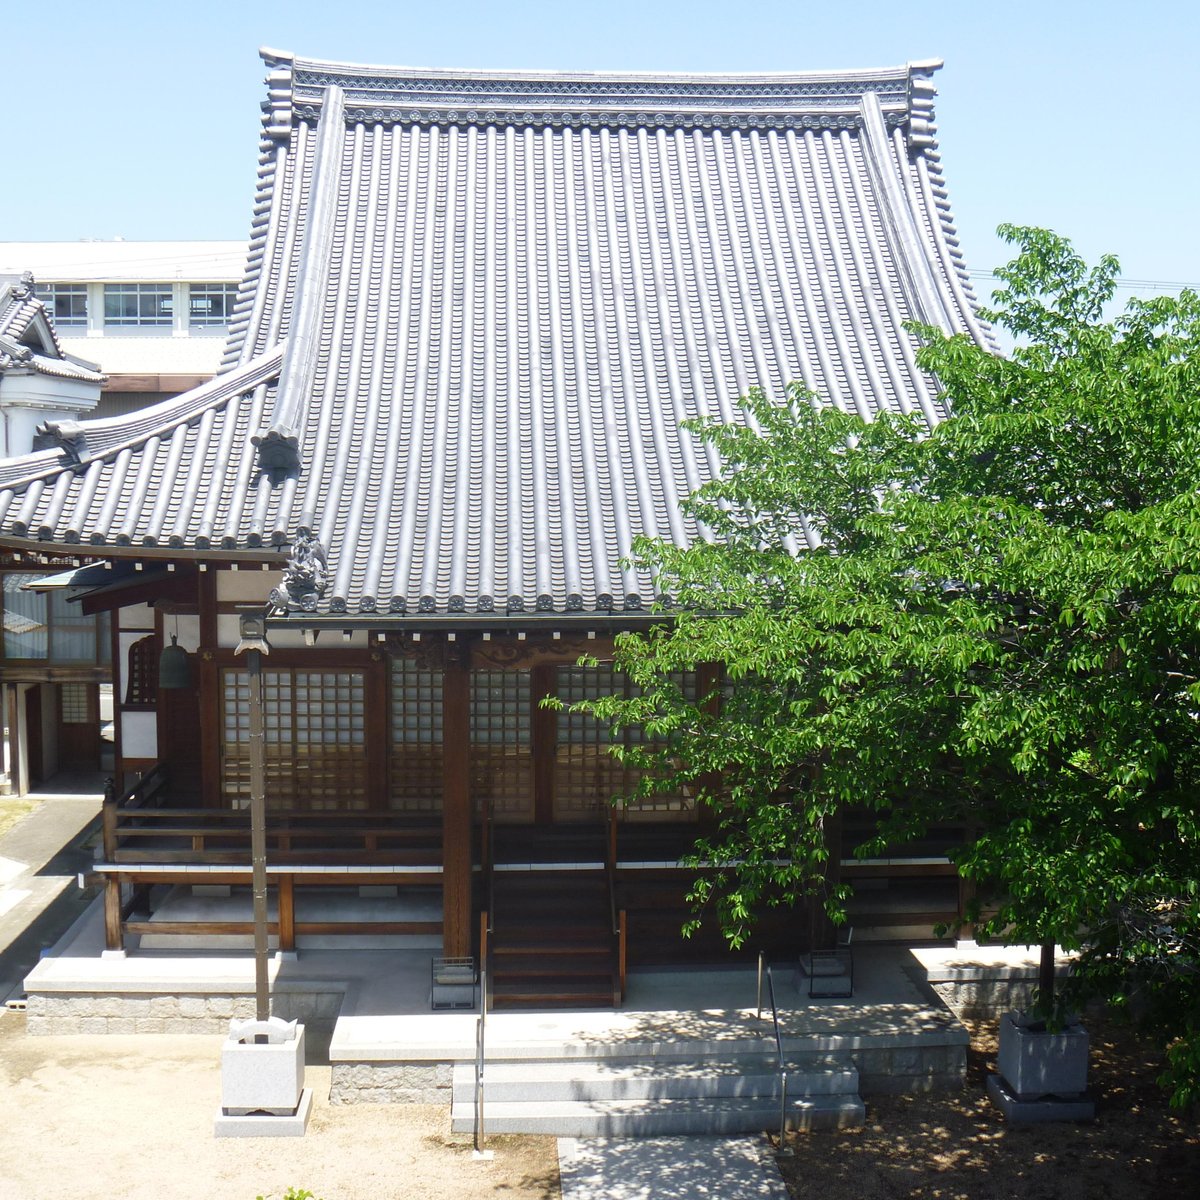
{"points": [[586, 774], [314, 735], [416, 766], [501, 763]]}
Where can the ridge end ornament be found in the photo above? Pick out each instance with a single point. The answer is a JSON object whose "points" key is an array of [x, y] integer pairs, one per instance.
{"points": [[305, 578]]}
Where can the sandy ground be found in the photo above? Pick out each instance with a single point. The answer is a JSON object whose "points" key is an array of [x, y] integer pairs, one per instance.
{"points": [[130, 1117]]}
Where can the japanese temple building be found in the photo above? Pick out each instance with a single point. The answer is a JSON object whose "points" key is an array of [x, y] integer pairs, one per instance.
{"points": [[476, 309]]}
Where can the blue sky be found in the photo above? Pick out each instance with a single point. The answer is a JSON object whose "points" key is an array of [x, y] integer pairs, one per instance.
{"points": [[141, 119]]}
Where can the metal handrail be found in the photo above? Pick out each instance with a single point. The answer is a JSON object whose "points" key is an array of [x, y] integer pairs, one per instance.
{"points": [[765, 966], [480, 1036]]}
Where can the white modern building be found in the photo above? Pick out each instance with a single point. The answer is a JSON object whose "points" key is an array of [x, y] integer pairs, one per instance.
{"points": [[95, 329], [154, 315]]}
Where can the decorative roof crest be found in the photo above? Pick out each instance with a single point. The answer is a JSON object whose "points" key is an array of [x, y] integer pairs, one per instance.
{"points": [[305, 578]]}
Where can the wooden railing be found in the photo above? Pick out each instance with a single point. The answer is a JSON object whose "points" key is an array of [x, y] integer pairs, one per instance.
{"points": [[148, 841], [142, 827]]}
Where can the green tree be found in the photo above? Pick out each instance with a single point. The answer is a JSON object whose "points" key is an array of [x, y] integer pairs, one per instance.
{"points": [[995, 623]]}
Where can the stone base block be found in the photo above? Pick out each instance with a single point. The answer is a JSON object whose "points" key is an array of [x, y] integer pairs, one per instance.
{"points": [[259, 1125], [1029, 1112]]}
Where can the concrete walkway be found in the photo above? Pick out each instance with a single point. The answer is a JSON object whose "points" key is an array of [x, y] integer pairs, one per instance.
{"points": [[668, 1168], [40, 858]]}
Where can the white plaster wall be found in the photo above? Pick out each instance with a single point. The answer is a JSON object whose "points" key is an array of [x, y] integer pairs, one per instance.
{"points": [[137, 616], [247, 586], [139, 735], [229, 628]]}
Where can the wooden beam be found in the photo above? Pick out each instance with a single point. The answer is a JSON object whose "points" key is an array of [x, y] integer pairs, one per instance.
{"points": [[538, 650], [143, 382], [456, 802], [177, 586]]}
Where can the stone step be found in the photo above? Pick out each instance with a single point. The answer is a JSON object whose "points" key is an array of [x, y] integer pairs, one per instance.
{"points": [[652, 1118], [615, 1079]]}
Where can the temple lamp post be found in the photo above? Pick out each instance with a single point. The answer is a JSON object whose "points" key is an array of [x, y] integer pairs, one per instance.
{"points": [[253, 643]]}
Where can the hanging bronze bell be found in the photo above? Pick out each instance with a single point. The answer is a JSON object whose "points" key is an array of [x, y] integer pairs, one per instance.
{"points": [[174, 666]]}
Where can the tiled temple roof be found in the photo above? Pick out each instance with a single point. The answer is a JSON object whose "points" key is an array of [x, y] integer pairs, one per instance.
{"points": [[478, 306], [29, 340]]}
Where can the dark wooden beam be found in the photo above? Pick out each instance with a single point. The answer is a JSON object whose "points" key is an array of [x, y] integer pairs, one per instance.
{"points": [[456, 802], [177, 586], [378, 730], [538, 650]]}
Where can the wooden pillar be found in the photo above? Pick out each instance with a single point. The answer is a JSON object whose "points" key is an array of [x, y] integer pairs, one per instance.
{"points": [[823, 932], [112, 914], [208, 680], [120, 682], [543, 736], [377, 685], [456, 801], [287, 913], [12, 716], [708, 679]]}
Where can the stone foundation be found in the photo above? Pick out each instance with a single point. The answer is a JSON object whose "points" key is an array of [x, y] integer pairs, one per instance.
{"points": [[65, 1013], [980, 999], [911, 1070], [914, 1069], [390, 1083]]}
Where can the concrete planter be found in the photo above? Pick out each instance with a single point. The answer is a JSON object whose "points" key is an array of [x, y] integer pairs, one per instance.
{"points": [[262, 1077], [1036, 1063]]}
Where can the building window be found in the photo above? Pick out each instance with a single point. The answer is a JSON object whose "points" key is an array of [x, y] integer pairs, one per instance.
{"points": [[138, 304], [416, 738], [49, 628], [211, 304], [67, 302], [501, 766], [314, 740], [141, 690], [75, 703], [586, 775]]}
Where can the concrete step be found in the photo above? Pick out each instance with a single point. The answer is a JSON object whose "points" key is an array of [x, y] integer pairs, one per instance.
{"points": [[651, 1118], [615, 1079]]}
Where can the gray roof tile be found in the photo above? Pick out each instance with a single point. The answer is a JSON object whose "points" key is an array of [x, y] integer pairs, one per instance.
{"points": [[477, 308]]}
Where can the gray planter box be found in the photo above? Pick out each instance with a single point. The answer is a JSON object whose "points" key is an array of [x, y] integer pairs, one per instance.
{"points": [[1036, 1063]]}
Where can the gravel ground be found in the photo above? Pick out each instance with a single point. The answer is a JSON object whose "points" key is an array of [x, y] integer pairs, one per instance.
{"points": [[130, 1117], [133, 1117], [958, 1147]]}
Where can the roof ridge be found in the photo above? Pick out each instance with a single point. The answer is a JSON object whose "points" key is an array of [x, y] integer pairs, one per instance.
{"points": [[379, 94], [279, 443], [72, 436]]}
